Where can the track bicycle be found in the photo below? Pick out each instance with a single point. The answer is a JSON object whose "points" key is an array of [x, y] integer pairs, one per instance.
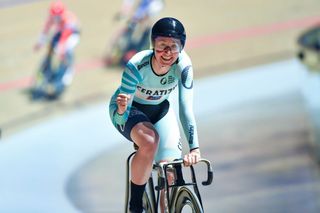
{"points": [[179, 196]]}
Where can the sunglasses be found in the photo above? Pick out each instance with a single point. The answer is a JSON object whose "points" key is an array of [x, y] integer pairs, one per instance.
{"points": [[174, 47]]}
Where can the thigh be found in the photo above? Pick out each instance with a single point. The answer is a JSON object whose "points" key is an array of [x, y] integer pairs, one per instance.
{"points": [[170, 141], [144, 133], [135, 117]]}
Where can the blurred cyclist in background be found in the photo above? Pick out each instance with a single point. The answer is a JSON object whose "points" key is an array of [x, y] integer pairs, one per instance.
{"points": [[134, 37], [65, 37], [141, 112], [141, 10]]}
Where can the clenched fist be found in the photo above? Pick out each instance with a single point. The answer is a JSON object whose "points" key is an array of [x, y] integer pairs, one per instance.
{"points": [[122, 102]]}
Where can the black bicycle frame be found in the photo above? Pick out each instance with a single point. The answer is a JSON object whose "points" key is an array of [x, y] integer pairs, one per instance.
{"points": [[162, 178]]}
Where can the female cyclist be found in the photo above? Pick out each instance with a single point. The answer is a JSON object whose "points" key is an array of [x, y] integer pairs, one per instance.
{"points": [[140, 109]]}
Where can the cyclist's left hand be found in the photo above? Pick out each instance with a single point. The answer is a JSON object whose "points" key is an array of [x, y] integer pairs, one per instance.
{"points": [[192, 158]]}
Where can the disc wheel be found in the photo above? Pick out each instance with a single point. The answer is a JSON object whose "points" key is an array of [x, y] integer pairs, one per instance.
{"points": [[186, 201]]}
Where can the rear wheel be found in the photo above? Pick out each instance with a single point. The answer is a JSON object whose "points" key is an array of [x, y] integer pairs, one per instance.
{"points": [[186, 201]]}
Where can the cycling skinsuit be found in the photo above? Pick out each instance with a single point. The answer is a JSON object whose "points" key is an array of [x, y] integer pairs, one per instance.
{"points": [[149, 94]]}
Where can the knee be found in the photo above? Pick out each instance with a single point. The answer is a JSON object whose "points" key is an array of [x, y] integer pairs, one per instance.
{"points": [[150, 144], [147, 139]]}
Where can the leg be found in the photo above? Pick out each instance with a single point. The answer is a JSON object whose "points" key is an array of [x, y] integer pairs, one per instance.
{"points": [[48, 67], [64, 73], [147, 139], [66, 66], [169, 146]]}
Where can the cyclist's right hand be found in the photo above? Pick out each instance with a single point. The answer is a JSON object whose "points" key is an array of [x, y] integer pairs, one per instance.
{"points": [[122, 102]]}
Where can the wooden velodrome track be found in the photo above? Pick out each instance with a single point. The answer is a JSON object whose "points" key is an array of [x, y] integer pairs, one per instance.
{"points": [[260, 153]]}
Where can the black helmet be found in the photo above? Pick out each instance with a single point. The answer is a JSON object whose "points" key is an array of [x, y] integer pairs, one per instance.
{"points": [[169, 27]]}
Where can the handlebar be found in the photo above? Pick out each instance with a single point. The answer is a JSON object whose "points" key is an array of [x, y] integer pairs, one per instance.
{"points": [[164, 165], [210, 172]]}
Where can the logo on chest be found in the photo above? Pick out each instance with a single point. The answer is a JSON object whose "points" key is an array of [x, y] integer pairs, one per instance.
{"points": [[167, 80], [153, 93]]}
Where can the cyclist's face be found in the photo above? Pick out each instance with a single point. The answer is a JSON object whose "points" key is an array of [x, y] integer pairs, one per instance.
{"points": [[166, 50]]}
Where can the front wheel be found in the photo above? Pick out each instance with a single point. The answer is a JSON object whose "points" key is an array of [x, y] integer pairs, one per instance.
{"points": [[146, 203], [186, 201]]}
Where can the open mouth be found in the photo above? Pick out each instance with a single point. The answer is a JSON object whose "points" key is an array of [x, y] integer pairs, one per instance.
{"points": [[166, 59]]}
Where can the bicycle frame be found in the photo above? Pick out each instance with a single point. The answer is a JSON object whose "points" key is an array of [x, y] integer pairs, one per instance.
{"points": [[161, 170]]}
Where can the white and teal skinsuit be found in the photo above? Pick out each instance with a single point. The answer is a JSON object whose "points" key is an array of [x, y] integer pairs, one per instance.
{"points": [[149, 94]]}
